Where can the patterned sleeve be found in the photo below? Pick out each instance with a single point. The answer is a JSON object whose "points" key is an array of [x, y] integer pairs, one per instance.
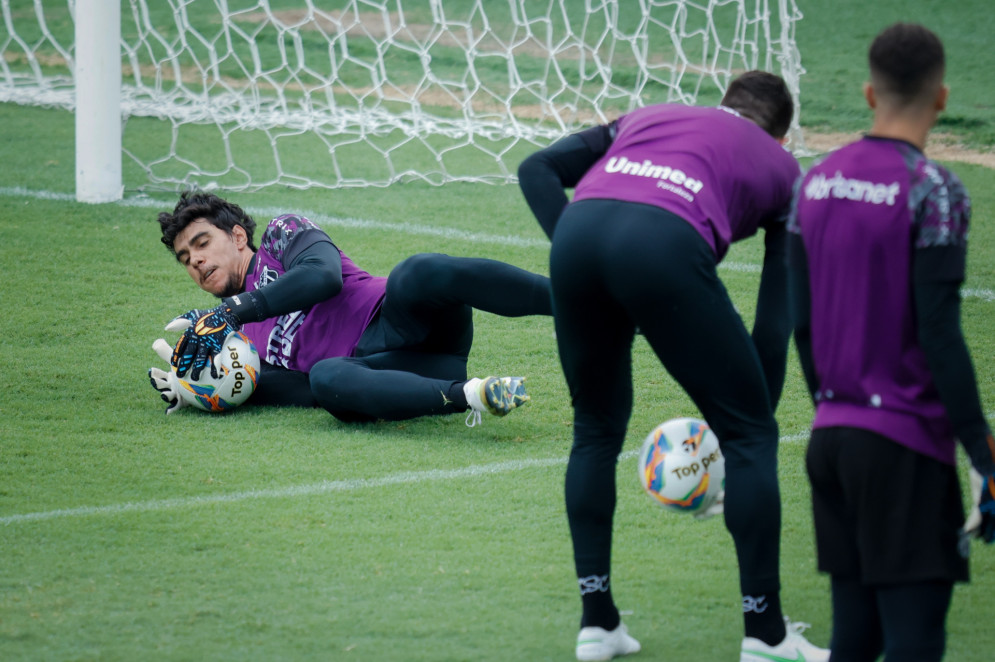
{"points": [[287, 231], [792, 220], [940, 206]]}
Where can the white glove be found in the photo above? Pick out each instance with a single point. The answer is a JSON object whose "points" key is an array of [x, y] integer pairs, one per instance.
{"points": [[717, 508], [974, 519], [165, 381]]}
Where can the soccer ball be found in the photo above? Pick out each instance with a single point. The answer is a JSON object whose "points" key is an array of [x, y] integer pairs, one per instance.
{"points": [[237, 365], [681, 466]]}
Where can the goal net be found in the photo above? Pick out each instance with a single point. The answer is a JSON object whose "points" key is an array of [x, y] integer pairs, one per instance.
{"points": [[245, 94]]}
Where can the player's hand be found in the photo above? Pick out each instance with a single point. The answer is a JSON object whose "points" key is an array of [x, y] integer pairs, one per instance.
{"points": [[204, 332], [981, 523], [164, 381]]}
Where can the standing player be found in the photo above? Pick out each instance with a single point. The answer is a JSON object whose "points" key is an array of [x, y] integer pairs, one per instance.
{"points": [[878, 248], [659, 196], [330, 334]]}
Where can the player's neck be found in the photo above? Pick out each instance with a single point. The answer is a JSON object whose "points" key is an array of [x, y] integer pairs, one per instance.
{"points": [[246, 264], [910, 128]]}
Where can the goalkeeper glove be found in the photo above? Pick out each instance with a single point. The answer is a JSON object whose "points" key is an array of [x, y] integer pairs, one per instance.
{"points": [[165, 381], [981, 523], [980, 449], [204, 333]]}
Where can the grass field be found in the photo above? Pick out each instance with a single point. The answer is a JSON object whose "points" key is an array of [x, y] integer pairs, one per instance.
{"points": [[285, 535]]}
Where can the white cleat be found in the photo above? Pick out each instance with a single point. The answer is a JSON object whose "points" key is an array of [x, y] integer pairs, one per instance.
{"points": [[594, 643], [794, 648]]}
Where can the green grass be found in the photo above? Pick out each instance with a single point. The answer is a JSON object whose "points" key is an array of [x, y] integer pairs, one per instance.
{"points": [[834, 37], [285, 535]]}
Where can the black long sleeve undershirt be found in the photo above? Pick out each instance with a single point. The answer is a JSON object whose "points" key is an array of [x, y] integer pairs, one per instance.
{"points": [[544, 175], [937, 277], [801, 309], [313, 274], [772, 321]]}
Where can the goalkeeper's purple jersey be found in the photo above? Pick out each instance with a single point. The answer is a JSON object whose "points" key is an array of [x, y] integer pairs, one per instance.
{"points": [[329, 328], [720, 172], [861, 213]]}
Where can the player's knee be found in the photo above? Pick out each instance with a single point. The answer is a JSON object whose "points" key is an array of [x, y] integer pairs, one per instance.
{"points": [[333, 381], [420, 271]]}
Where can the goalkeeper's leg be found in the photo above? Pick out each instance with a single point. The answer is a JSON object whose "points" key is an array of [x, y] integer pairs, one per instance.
{"points": [[430, 282], [281, 387], [390, 386]]}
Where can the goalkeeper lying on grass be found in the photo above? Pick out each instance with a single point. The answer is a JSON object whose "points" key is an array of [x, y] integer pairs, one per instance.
{"points": [[331, 335]]}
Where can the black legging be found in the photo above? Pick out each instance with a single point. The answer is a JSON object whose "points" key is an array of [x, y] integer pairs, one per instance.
{"points": [[616, 266], [411, 360], [906, 622]]}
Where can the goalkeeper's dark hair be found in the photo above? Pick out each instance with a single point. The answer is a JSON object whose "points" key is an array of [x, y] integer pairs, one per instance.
{"points": [[907, 63], [195, 205], [764, 98]]}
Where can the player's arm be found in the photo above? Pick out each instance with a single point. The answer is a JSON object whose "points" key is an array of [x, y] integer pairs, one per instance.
{"points": [[313, 274], [544, 175], [772, 323], [938, 273], [800, 302]]}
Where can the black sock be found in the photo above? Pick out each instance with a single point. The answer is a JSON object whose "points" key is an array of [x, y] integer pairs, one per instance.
{"points": [[458, 397], [762, 618], [599, 607]]}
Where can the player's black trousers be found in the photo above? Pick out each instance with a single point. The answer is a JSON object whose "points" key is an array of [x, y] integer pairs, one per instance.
{"points": [[616, 266], [411, 360], [903, 621]]}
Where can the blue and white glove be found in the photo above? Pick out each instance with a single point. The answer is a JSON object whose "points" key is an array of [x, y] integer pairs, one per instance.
{"points": [[981, 522], [204, 333], [165, 381]]}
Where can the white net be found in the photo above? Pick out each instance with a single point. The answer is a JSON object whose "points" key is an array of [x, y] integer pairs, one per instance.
{"points": [[245, 94]]}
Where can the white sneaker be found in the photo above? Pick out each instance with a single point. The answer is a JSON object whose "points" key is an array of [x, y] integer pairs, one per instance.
{"points": [[595, 643], [493, 395], [794, 648]]}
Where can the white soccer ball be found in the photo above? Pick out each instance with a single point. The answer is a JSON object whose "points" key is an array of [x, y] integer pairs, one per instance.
{"points": [[237, 365], [681, 466]]}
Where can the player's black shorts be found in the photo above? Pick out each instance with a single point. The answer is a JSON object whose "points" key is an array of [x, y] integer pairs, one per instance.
{"points": [[884, 514]]}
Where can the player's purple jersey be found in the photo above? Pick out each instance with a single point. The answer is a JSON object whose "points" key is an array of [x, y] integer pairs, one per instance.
{"points": [[861, 213], [331, 327], [720, 172]]}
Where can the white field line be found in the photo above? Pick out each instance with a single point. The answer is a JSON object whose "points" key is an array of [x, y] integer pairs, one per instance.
{"points": [[313, 489], [404, 228]]}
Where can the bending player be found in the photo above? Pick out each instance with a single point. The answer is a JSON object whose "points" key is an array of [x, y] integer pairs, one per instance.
{"points": [[659, 196]]}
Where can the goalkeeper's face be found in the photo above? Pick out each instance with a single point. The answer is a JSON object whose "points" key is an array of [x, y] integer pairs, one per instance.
{"points": [[217, 261]]}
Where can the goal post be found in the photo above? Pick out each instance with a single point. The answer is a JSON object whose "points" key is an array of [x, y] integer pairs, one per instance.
{"points": [[248, 94], [98, 101]]}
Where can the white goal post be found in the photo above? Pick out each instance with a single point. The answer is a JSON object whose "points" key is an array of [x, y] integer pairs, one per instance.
{"points": [[246, 94]]}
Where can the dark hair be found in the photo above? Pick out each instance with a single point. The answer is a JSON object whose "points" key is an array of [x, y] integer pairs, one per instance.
{"points": [[907, 61], [764, 98], [196, 205]]}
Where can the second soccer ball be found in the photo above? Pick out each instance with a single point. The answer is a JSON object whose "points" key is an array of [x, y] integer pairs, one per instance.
{"points": [[681, 466]]}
